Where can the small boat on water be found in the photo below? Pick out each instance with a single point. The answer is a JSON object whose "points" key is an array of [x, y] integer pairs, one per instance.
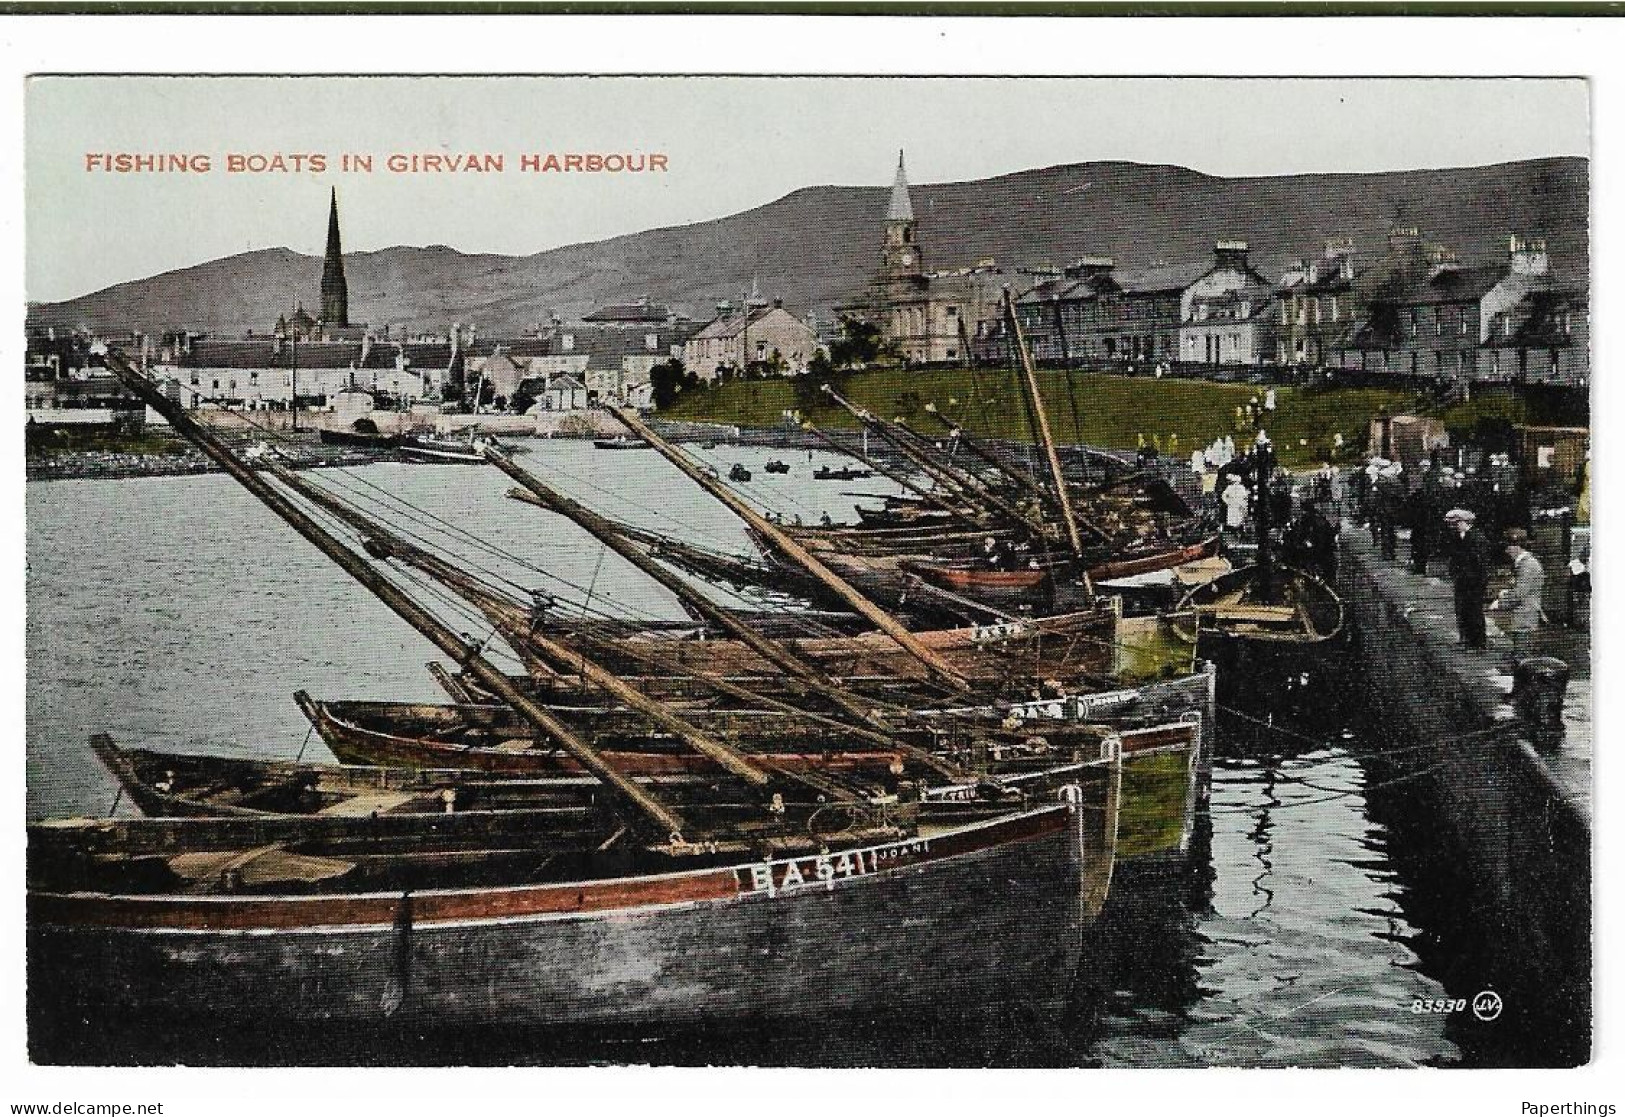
{"points": [[1265, 626], [620, 442], [844, 473], [738, 473], [776, 466], [421, 447]]}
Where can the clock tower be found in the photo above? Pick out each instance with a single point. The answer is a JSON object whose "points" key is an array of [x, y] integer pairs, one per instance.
{"points": [[901, 259]]}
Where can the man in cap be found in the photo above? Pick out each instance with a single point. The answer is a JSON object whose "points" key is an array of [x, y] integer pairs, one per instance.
{"points": [[1518, 605], [1470, 574]]}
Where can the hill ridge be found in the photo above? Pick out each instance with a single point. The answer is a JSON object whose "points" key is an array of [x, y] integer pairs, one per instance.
{"points": [[818, 244]]}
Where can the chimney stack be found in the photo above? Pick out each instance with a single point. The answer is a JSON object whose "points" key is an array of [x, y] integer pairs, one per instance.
{"points": [[1230, 253], [1528, 257]]}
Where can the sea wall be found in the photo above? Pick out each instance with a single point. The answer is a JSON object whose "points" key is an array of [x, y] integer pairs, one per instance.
{"points": [[1517, 816]]}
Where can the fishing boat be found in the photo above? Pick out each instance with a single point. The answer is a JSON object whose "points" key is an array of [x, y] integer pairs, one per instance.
{"points": [[842, 473], [363, 433], [1273, 605], [457, 917], [116, 929], [490, 738], [620, 442], [738, 473], [422, 447], [776, 466], [1160, 780], [1030, 587]]}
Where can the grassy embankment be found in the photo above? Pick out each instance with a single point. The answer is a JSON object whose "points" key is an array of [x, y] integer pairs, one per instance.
{"points": [[1112, 411]]}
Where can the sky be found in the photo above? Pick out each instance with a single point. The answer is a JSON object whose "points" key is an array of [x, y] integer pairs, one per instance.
{"points": [[730, 144]]}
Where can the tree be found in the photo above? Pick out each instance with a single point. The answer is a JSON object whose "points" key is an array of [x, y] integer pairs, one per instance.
{"points": [[526, 395], [669, 379], [860, 345]]}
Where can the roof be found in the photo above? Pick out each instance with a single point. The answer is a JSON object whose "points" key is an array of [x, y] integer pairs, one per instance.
{"points": [[568, 383], [729, 325], [1071, 290], [419, 355], [1160, 277], [252, 353], [900, 208], [513, 346], [1330, 280], [1453, 285]]}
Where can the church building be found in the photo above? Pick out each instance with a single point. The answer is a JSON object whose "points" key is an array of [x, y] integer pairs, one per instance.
{"points": [[928, 317]]}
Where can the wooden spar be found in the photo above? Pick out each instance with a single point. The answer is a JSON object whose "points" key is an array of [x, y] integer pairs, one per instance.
{"points": [[514, 624], [723, 685], [639, 797], [1020, 476], [1044, 432], [956, 481], [604, 531], [797, 553], [893, 475], [972, 488]]}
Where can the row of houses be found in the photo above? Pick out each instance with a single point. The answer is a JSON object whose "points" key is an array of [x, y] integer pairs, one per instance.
{"points": [[1416, 313], [608, 354], [1411, 309]]}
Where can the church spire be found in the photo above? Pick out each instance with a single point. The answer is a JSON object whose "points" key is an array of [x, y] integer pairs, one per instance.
{"points": [[901, 257], [335, 294], [901, 209]]}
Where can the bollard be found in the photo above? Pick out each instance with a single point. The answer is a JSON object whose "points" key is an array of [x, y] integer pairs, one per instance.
{"points": [[1539, 685]]}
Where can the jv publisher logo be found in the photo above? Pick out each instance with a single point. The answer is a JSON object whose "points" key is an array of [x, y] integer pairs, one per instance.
{"points": [[1487, 1005]]}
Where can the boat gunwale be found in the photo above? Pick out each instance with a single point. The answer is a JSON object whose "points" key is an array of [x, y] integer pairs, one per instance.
{"points": [[137, 912]]}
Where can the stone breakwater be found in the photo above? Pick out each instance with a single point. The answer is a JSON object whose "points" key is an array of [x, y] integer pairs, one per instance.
{"points": [[182, 461]]}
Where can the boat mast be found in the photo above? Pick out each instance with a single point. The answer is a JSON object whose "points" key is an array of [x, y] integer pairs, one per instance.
{"points": [[514, 624], [967, 486], [797, 553], [1037, 398], [1020, 476], [889, 474], [605, 532], [468, 655]]}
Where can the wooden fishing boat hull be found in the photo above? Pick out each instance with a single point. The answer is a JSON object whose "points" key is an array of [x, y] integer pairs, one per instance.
{"points": [[1010, 590], [998, 908], [392, 735], [1263, 651], [1062, 646], [420, 449], [185, 785], [372, 441], [1162, 559]]}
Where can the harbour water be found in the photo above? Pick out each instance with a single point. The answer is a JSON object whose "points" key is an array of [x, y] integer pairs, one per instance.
{"points": [[1317, 924]]}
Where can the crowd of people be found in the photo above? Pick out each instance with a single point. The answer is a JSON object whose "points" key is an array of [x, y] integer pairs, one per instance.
{"points": [[1477, 518]]}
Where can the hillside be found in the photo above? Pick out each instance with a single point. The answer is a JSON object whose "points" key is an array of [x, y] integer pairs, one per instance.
{"points": [[818, 245]]}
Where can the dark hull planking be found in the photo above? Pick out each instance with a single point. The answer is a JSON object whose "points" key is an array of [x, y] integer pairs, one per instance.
{"points": [[997, 908]]}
